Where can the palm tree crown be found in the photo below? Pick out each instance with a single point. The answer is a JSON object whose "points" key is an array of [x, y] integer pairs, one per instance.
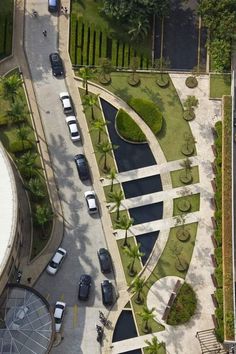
{"points": [[124, 224], [87, 74], [10, 86], [133, 253], [89, 101], [116, 197], [98, 125], [147, 314], [137, 287], [105, 148], [154, 346]]}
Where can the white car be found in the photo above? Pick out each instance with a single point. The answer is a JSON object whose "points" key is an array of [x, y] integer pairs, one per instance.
{"points": [[59, 314], [56, 261], [73, 128], [66, 102], [91, 202]]}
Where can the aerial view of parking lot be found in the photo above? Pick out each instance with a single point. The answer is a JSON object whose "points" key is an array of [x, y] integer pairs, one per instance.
{"points": [[117, 146]]}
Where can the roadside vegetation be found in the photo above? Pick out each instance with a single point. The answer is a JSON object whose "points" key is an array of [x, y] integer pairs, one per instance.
{"points": [[6, 27], [18, 137], [227, 247]]}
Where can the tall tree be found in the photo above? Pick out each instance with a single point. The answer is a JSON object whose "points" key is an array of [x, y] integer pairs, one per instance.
{"points": [[137, 288], [10, 86], [133, 253], [112, 175], [36, 187], [103, 149], [27, 164], [16, 113], [162, 64], [105, 70], [116, 197], [139, 28], [89, 101], [99, 126], [154, 346], [87, 74], [43, 214], [147, 315], [187, 165], [125, 224], [23, 134]]}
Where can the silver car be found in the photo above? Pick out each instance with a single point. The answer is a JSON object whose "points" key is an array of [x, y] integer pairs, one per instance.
{"points": [[56, 261], [66, 102]]}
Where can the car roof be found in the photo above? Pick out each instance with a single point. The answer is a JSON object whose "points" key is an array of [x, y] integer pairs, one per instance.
{"points": [[80, 157], [58, 256], [85, 278]]}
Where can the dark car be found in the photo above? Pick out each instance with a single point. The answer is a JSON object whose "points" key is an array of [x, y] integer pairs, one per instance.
{"points": [[107, 292], [53, 5], [84, 287], [82, 166], [56, 64], [104, 260]]}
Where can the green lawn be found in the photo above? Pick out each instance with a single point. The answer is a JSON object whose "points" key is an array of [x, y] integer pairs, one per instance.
{"points": [[176, 174], [6, 27], [126, 261], [166, 100], [220, 84], [194, 200], [94, 136]]}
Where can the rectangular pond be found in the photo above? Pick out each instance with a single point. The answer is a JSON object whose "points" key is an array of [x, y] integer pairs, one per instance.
{"points": [[142, 186], [147, 213]]}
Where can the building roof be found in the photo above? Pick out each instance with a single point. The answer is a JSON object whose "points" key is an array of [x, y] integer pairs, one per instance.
{"points": [[8, 208]]}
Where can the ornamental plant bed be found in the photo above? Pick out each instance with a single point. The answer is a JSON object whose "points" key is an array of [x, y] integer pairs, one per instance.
{"points": [[191, 82]]}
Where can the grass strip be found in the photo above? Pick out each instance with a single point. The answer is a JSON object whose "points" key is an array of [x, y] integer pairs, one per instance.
{"points": [[175, 177], [193, 199]]}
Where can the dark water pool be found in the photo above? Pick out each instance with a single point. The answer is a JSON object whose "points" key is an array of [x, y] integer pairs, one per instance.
{"points": [[125, 327], [147, 242], [142, 186], [136, 351], [147, 213], [128, 156]]}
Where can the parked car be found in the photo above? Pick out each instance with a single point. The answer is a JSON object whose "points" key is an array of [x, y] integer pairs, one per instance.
{"points": [[91, 202], [56, 261], [84, 287], [73, 128], [56, 64], [21, 313], [104, 260], [66, 102], [107, 292], [59, 314], [82, 166], [53, 5]]}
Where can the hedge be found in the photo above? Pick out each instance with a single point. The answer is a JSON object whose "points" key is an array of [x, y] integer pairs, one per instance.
{"points": [[91, 45], [97, 47], [149, 112], [127, 128], [73, 22], [104, 45], [184, 306], [114, 53], [85, 44]]}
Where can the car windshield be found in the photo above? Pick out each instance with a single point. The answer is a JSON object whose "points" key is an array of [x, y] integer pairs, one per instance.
{"points": [[57, 320], [53, 264]]}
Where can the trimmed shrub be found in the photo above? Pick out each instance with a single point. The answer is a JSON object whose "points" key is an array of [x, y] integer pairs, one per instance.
{"points": [[218, 255], [183, 307], [191, 82], [127, 128], [219, 295], [219, 312], [17, 146], [218, 275], [73, 19], [149, 112]]}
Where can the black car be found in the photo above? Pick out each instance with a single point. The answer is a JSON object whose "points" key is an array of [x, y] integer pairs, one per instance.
{"points": [[107, 292], [82, 166], [104, 260], [53, 5], [56, 64], [84, 287]]}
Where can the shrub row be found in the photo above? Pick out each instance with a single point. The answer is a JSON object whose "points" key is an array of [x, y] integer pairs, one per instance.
{"points": [[88, 44], [6, 29], [218, 232], [127, 128], [149, 112]]}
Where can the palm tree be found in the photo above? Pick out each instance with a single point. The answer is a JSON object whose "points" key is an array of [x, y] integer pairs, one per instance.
{"points": [[139, 28], [16, 113], [116, 197], [133, 253], [112, 176], [154, 346], [105, 70], [99, 126], [124, 224], [187, 165], [27, 163], [87, 74], [89, 101], [43, 214], [147, 314], [137, 288], [23, 133], [105, 148], [10, 86], [36, 187]]}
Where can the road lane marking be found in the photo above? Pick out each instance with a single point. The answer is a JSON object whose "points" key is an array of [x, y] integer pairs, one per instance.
{"points": [[75, 316]]}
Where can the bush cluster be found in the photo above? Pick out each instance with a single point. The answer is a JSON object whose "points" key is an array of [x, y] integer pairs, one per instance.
{"points": [[127, 128], [218, 232], [149, 112], [183, 307]]}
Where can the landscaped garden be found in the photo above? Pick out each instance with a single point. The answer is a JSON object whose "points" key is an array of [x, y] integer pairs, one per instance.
{"points": [[94, 36], [220, 85], [6, 27], [18, 137]]}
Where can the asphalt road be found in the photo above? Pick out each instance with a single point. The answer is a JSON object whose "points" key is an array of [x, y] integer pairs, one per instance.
{"points": [[83, 233]]}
